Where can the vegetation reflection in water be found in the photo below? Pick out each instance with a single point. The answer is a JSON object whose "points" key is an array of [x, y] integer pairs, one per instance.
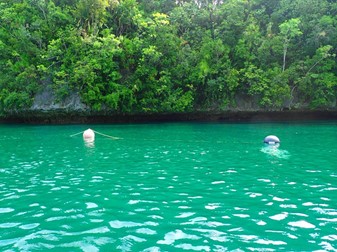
{"points": [[168, 187]]}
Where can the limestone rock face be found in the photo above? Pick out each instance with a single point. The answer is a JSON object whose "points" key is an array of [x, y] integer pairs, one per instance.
{"points": [[47, 101]]}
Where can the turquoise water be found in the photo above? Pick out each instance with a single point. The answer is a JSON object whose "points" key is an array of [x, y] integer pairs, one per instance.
{"points": [[169, 187]]}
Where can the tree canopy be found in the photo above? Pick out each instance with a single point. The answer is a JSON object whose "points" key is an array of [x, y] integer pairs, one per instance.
{"points": [[157, 56]]}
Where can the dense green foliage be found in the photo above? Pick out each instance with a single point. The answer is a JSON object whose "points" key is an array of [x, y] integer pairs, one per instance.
{"points": [[169, 56]]}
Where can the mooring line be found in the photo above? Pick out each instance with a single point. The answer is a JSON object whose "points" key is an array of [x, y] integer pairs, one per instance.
{"points": [[99, 133], [112, 137], [77, 134]]}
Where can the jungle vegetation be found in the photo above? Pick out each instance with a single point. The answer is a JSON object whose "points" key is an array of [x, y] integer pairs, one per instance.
{"points": [[158, 56]]}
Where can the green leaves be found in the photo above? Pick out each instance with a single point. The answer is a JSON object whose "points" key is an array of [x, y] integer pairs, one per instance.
{"points": [[14, 101], [290, 28], [91, 15], [318, 85], [169, 56]]}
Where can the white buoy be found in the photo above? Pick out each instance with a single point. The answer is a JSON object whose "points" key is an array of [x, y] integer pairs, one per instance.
{"points": [[271, 140], [89, 135]]}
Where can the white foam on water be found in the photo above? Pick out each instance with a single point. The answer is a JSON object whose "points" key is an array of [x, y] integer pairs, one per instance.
{"points": [[279, 217], [301, 224], [6, 210], [274, 151], [171, 237], [91, 205]]}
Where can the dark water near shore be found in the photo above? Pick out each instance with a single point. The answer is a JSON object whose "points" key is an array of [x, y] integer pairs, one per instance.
{"points": [[169, 187]]}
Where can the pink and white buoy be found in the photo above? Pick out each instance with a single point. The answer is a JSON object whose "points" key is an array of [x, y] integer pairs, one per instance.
{"points": [[89, 135]]}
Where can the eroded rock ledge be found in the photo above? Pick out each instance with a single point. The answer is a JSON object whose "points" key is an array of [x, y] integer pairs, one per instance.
{"points": [[78, 117]]}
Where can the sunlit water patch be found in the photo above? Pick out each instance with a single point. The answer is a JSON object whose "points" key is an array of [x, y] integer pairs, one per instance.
{"points": [[168, 187]]}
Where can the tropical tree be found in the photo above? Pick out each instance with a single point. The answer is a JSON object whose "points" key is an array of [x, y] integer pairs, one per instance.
{"points": [[289, 30]]}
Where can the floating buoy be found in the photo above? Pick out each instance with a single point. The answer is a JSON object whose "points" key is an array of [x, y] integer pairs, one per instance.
{"points": [[271, 140], [89, 135]]}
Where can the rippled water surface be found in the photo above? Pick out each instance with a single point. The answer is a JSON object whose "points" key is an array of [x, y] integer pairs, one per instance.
{"points": [[169, 187]]}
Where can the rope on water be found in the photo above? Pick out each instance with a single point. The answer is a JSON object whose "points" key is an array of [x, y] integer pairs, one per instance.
{"points": [[99, 133], [77, 134], [112, 137]]}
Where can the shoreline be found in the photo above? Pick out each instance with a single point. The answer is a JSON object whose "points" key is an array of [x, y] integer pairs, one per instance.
{"points": [[62, 117]]}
